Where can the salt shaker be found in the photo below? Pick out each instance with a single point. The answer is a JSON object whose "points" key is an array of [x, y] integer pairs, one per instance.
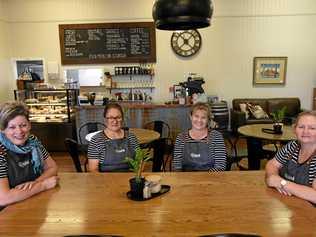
{"points": [[146, 191]]}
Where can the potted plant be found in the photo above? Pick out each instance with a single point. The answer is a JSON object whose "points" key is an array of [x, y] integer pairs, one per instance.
{"points": [[278, 117], [136, 165]]}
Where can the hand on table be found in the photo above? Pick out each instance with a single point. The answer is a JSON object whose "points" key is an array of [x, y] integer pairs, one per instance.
{"points": [[50, 182], [275, 181]]}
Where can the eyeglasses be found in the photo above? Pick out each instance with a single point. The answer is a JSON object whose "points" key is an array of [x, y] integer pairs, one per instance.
{"points": [[114, 118]]}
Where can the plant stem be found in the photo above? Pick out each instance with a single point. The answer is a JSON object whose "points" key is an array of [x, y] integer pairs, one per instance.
{"points": [[139, 171]]}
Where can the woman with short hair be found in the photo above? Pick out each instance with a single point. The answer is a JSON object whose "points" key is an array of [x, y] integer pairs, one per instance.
{"points": [[200, 148], [26, 168]]}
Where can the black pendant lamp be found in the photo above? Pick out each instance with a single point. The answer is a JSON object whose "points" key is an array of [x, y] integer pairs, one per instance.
{"points": [[182, 14]]}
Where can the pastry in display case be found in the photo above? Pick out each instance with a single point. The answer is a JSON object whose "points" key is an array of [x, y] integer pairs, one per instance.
{"points": [[50, 105]]}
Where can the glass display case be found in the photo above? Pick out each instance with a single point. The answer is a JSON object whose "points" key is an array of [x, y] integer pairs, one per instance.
{"points": [[49, 105]]}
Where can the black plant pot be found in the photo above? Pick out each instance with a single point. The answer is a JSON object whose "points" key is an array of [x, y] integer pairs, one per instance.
{"points": [[137, 188], [277, 128]]}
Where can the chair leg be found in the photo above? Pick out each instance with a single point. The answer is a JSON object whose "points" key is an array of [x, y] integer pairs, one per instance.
{"points": [[85, 165], [167, 159], [234, 154]]}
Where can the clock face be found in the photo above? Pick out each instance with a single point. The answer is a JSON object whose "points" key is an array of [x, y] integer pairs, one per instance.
{"points": [[186, 43]]}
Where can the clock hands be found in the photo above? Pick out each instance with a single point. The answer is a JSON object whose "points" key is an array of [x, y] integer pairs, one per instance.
{"points": [[186, 43]]}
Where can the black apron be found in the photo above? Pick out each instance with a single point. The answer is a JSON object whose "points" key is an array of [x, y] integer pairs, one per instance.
{"points": [[295, 172], [196, 156], [20, 168], [114, 155]]}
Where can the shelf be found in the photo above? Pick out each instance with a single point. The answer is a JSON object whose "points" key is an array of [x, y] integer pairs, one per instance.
{"points": [[137, 87], [47, 115], [132, 75], [46, 104], [54, 91]]}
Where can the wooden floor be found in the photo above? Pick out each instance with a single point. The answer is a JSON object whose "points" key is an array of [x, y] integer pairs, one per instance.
{"points": [[65, 164]]}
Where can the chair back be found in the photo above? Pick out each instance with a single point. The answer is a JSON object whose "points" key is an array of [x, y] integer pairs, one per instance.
{"points": [[162, 147], [73, 150], [88, 128], [159, 126]]}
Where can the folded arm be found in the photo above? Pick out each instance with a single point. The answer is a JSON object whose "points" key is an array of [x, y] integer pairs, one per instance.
{"points": [[273, 179], [25, 190]]}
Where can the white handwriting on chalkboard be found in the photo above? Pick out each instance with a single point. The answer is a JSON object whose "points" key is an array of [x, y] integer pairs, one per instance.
{"points": [[107, 43], [95, 34]]}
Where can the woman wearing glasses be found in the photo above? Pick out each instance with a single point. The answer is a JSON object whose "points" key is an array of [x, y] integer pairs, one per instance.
{"points": [[108, 149]]}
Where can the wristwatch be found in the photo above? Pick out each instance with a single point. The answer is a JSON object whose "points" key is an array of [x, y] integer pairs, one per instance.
{"points": [[283, 183]]}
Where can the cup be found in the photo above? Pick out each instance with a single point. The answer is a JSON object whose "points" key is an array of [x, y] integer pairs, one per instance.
{"points": [[154, 183]]}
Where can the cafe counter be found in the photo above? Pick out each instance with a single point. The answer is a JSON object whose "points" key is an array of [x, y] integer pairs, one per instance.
{"points": [[138, 114]]}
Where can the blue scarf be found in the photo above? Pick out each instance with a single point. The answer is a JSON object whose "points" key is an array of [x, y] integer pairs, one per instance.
{"points": [[31, 145]]}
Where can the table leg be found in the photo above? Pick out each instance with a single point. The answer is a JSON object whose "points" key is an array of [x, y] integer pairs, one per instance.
{"points": [[255, 152]]}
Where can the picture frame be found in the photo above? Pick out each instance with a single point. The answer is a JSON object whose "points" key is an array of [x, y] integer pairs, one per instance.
{"points": [[269, 70]]}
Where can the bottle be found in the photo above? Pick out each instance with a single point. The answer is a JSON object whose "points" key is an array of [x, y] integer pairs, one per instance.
{"points": [[146, 191]]}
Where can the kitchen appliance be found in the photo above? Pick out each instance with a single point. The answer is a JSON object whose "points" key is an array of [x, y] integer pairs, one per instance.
{"points": [[193, 85]]}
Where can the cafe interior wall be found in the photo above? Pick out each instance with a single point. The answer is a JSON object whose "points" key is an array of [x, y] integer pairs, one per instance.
{"points": [[6, 83], [240, 31]]}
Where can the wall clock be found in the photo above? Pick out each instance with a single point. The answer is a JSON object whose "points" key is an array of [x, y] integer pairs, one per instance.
{"points": [[186, 43]]}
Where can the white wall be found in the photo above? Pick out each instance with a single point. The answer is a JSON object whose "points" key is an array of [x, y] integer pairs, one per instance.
{"points": [[241, 30], [7, 84]]}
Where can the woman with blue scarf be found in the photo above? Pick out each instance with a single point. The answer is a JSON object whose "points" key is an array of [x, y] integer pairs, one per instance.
{"points": [[26, 168]]}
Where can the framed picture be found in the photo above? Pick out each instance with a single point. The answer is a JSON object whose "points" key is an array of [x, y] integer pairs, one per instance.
{"points": [[269, 70]]}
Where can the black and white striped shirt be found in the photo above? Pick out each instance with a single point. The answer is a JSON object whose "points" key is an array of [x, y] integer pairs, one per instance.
{"points": [[291, 151], [98, 142], [217, 150], [3, 155]]}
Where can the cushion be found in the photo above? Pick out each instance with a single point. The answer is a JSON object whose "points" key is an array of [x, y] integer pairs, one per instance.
{"points": [[257, 111], [243, 108]]}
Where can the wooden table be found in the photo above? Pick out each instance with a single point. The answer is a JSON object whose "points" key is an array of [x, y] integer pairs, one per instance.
{"points": [[198, 203], [255, 135], [143, 135], [255, 130]]}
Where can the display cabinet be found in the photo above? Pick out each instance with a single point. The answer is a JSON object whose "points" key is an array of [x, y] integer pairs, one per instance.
{"points": [[52, 115], [49, 105]]}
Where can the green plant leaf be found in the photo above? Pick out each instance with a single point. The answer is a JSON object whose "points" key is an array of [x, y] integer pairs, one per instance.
{"points": [[136, 164], [278, 116]]}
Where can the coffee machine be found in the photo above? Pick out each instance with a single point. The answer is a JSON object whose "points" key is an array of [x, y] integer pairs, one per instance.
{"points": [[185, 90], [193, 85]]}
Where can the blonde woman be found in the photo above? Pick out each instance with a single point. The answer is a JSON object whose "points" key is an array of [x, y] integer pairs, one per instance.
{"points": [[200, 148], [292, 171]]}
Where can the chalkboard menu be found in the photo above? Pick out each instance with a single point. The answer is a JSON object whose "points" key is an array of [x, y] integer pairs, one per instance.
{"points": [[107, 43]]}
